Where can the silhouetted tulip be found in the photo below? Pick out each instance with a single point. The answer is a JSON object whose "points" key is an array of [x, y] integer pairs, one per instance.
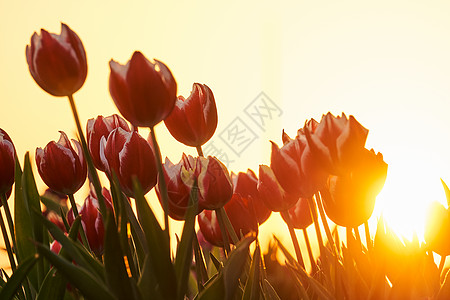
{"points": [[193, 120], [349, 199], [245, 184], [437, 229], [144, 92], [299, 214], [62, 168], [337, 143], [129, 155], [99, 128], [91, 220], [7, 164], [57, 62], [271, 193]]}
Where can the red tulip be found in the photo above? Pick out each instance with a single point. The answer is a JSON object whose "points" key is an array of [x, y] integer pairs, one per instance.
{"points": [[178, 191], [245, 184], [7, 164], [91, 220], [295, 169], [299, 214], [349, 199], [337, 142], [193, 120], [57, 62], [62, 168], [437, 229], [129, 155], [144, 92], [214, 183], [55, 247], [99, 128], [271, 193], [241, 216]]}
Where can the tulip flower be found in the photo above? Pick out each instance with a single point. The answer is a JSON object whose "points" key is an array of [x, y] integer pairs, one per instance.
{"points": [[242, 218], [129, 155], [299, 214], [437, 229], [178, 191], [349, 199], [193, 120], [91, 220], [337, 142], [62, 168], [57, 62], [99, 128], [271, 193], [7, 164], [245, 184], [144, 92]]}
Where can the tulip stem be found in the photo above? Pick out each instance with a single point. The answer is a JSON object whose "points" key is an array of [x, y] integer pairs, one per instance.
{"points": [[367, 232], [294, 239], [325, 223], [10, 220], [358, 237], [312, 207], [161, 181], [310, 253], [75, 213], [199, 151], [202, 275], [223, 230], [12, 262], [442, 264], [90, 164]]}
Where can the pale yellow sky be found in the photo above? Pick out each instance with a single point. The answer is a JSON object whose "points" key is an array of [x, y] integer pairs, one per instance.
{"points": [[385, 62]]}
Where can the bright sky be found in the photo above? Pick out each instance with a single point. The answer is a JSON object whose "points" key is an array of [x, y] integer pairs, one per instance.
{"points": [[385, 62]]}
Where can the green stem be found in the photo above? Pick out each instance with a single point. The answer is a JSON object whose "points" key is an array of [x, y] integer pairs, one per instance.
{"points": [[75, 213], [223, 230], [161, 181], [200, 268], [368, 239], [199, 151], [358, 237], [12, 261], [294, 239], [312, 207], [90, 164], [325, 224], [310, 253], [9, 220], [229, 226], [442, 264]]}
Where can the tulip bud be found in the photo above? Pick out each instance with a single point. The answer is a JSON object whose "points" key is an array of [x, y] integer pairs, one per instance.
{"points": [[349, 199], [98, 128], [7, 164], [245, 184], [299, 214], [143, 91], [129, 155], [57, 62], [271, 193], [193, 120], [62, 168]]}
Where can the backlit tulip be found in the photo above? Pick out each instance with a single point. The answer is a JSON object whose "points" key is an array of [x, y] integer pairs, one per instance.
{"points": [[7, 163], [349, 199], [209, 227], [62, 168], [57, 62], [144, 92], [245, 184], [99, 128], [299, 214], [337, 142], [193, 120], [271, 193], [130, 156], [437, 229], [178, 191]]}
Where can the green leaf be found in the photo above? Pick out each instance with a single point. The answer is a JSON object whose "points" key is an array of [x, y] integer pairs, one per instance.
{"points": [[183, 260], [148, 285], [82, 279], [53, 287], [116, 272], [270, 292], [15, 281], [447, 192], [217, 264], [252, 287], [158, 246]]}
